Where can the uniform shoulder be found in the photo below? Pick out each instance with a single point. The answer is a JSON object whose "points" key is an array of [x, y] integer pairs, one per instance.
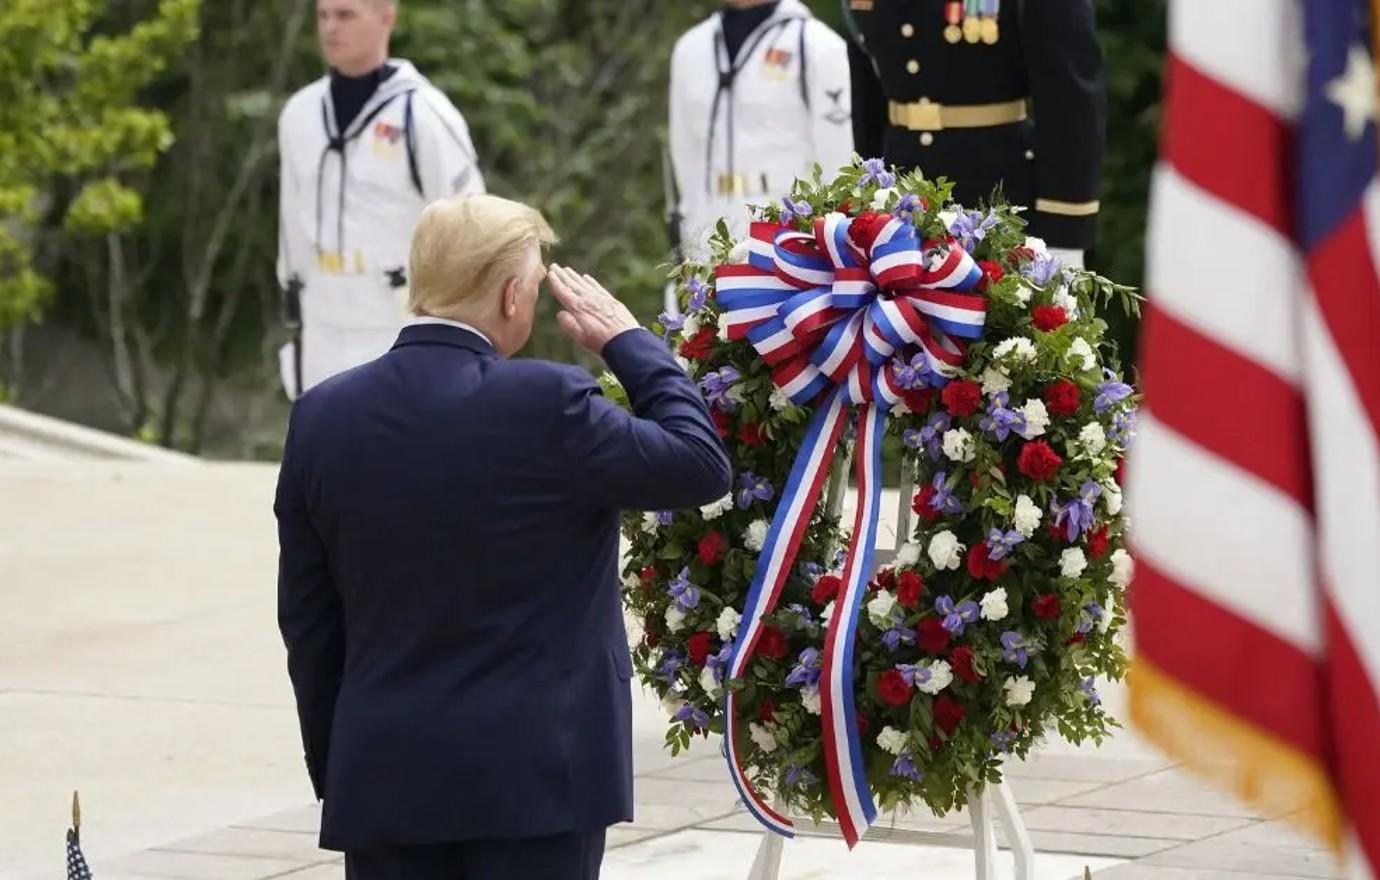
{"points": [[820, 35], [306, 97], [696, 36]]}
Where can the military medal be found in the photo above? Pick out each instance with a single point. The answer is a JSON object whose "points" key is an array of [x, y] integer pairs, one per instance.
{"points": [[990, 32], [972, 22], [953, 14]]}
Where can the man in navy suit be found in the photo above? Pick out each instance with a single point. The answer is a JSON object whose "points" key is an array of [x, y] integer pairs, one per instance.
{"points": [[448, 579]]}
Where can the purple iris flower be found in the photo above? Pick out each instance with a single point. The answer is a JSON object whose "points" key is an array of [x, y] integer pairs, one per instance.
{"points": [[1089, 691], [665, 517], [696, 718], [914, 374], [956, 617], [914, 674], [905, 766], [1003, 740], [1015, 649], [699, 294], [715, 386], [932, 435], [1123, 428], [672, 323], [753, 488], [800, 613], [911, 438], [1000, 420], [875, 170], [1000, 544], [970, 227], [1092, 614], [806, 671], [671, 663], [910, 203], [686, 594], [1076, 516], [799, 776], [1110, 393], [719, 662], [791, 210], [944, 499], [1041, 270], [897, 636]]}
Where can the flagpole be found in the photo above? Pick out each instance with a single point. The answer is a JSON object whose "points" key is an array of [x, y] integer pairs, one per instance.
{"points": [[76, 816]]}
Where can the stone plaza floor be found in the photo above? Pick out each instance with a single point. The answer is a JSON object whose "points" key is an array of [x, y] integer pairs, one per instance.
{"points": [[140, 663]]}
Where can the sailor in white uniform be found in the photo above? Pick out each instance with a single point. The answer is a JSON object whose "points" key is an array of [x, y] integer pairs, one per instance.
{"points": [[363, 149], [759, 93]]}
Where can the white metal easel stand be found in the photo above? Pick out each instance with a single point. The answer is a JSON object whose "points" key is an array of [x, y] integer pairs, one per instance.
{"points": [[995, 798]]}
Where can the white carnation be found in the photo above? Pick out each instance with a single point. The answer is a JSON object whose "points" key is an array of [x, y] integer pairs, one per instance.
{"points": [[675, 619], [994, 605], [739, 253], [1017, 348], [879, 199], [1093, 438], [709, 680], [1067, 301], [763, 737], [891, 740], [1072, 562], [650, 523], [690, 326], [756, 535], [727, 624], [945, 551], [1024, 293], [909, 554], [1083, 352], [1019, 690], [1036, 418], [1123, 568], [809, 698], [1037, 245], [717, 508], [995, 380], [779, 399], [1028, 515], [941, 676], [959, 445], [880, 607], [1111, 497]]}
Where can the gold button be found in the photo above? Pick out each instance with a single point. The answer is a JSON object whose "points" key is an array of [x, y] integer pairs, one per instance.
{"points": [[924, 100], [926, 139], [907, 30], [913, 66], [1030, 154]]}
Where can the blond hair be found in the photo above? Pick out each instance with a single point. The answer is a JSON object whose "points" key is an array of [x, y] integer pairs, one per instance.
{"points": [[466, 246]]}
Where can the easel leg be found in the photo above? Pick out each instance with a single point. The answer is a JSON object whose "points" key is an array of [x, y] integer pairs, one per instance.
{"points": [[984, 837], [1016, 836], [767, 864]]}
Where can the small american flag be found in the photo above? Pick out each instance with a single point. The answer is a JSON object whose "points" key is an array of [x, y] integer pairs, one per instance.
{"points": [[1255, 484], [76, 862]]}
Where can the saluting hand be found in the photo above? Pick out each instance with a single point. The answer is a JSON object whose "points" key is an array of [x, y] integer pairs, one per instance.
{"points": [[590, 314]]}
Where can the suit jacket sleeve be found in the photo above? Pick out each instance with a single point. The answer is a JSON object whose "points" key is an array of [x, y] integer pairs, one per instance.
{"points": [[666, 454], [310, 615], [1070, 96]]}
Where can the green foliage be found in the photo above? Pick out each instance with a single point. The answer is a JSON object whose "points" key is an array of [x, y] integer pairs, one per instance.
{"points": [[66, 119]]}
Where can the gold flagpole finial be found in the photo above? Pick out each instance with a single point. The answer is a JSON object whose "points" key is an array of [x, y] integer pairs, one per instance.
{"points": [[1087, 873], [76, 812]]}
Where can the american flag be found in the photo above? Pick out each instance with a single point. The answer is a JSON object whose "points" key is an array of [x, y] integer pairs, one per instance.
{"points": [[76, 862], [1255, 485]]}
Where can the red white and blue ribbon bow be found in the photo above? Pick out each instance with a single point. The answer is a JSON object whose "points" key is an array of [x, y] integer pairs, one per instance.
{"points": [[837, 325]]}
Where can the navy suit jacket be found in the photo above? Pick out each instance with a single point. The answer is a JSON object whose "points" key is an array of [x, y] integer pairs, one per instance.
{"points": [[448, 583]]}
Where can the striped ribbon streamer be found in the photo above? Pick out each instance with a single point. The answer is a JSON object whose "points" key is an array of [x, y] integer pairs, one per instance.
{"points": [[837, 324]]}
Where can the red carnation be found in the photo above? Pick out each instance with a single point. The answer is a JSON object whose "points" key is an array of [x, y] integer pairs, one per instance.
{"points": [[1048, 318], [909, 588], [698, 647], [1046, 607], [982, 566], [886, 578], [712, 547], [750, 434], [766, 710], [773, 643], [961, 659], [962, 398], [826, 588], [921, 503], [1062, 398], [919, 400], [1038, 461], [1098, 542], [892, 688], [722, 423], [699, 346], [992, 272], [865, 228], [933, 637], [948, 714]]}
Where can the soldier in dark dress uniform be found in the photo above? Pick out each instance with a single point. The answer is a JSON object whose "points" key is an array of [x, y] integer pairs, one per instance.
{"points": [[985, 92]]}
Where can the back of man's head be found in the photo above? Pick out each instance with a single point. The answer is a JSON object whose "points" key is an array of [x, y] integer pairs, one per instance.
{"points": [[465, 247]]}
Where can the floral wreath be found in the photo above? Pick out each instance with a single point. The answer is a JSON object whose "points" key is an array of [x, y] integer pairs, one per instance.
{"points": [[864, 309]]}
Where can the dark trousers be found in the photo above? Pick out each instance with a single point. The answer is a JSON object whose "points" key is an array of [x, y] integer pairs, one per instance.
{"points": [[574, 856]]}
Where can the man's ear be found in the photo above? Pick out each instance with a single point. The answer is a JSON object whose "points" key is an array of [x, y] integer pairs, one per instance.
{"points": [[510, 297]]}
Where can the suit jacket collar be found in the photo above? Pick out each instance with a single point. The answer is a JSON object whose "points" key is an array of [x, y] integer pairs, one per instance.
{"points": [[442, 334]]}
